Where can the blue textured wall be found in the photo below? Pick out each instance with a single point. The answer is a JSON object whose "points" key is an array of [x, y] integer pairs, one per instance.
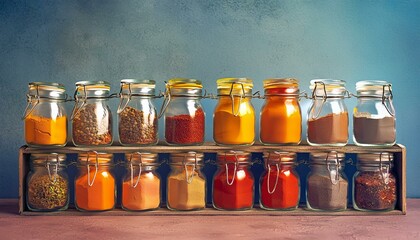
{"points": [[66, 41]]}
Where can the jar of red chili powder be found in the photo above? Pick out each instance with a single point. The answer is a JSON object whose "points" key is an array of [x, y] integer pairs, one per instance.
{"points": [[279, 184], [184, 115], [233, 183]]}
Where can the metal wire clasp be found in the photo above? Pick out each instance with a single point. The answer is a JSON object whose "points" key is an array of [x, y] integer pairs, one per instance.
{"points": [[232, 97], [76, 108], [120, 109], [47, 164], [189, 177], [389, 108], [334, 173], [269, 173], [384, 174], [166, 100], [230, 183], [90, 183], [29, 99], [132, 169]]}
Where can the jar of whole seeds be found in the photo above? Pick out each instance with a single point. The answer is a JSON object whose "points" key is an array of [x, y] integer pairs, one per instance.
{"points": [[137, 118], [47, 185], [374, 184], [91, 117]]}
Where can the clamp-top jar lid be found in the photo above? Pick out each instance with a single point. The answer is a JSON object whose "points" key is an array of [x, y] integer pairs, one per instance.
{"points": [[327, 157], [375, 158], [184, 87], [281, 86], [326, 88], [187, 158], [49, 90], [274, 157], [143, 158], [48, 158], [240, 157], [135, 87], [93, 158], [92, 89], [374, 88], [235, 87]]}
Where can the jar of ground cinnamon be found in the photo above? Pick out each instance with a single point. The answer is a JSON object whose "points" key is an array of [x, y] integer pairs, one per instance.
{"points": [[374, 115], [374, 184], [45, 115], [184, 114], [328, 115]]}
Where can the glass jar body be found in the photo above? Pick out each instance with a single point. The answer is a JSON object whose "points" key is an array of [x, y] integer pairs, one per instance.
{"points": [[233, 187], [184, 121], [186, 188], [373, 125], [237, 127], [279, 188], [138, 123], [281, 120], [374, 190], [141, 189], [46, 124], [94, 188], [47, 190], [325, 190], [92, 123]]}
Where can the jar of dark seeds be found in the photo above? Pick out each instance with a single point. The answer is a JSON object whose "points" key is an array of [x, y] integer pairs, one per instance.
{"points": [[91, 117], [137, 118], [326, 183], [47, 187], [374, 184]]}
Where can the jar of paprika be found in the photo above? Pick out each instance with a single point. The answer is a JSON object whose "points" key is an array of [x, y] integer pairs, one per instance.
{"points": [[233, 183], [184, 115], [91, 117], [281, 119], [234, 115], [279, 184]]}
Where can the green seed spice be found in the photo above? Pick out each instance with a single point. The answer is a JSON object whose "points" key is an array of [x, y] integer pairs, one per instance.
{"points": [[47, 193]]}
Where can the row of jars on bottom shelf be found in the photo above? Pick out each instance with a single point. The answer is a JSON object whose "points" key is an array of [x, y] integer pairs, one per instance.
{"points": [[374, 184]]}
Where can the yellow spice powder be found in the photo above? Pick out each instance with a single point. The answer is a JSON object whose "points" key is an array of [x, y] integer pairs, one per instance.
{"points": [[45, 131], [186, 196]]}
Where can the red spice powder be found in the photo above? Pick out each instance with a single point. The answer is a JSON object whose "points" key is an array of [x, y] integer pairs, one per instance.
{"points": [[285, 195], [239, 195], [185, 129]]}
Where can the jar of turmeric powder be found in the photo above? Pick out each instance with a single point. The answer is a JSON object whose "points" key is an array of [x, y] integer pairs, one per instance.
{"points": [[45, 116], [184, 114], [281, 118], [47, 184], [233, 183], [94, 187], [137, 118], [186, 188], [234, 115], [279, 184], [141, 184], [91, 116]]}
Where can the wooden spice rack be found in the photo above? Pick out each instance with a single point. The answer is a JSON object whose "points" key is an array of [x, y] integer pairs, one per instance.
{"points": [[398, 150]]}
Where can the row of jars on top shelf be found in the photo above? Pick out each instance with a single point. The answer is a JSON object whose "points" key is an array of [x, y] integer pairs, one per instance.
{"points": [[233, 119], [374, 185]]}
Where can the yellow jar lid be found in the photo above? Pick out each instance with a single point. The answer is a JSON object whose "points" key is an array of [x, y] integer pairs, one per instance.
{"points": [[184, 83], [235, 83], [280, 82]]}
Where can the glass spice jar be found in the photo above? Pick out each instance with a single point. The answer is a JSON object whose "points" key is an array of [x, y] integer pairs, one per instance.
{"points": [[47, 183], [94, 187], [184, 115], [45, 116], [234, 115], [186, 188], [137, 118], [233, 183], [141, 184], [281, 118], [279, 184], [91, 117], [327, 184], [374, 184], [374, 115], [328, 115]]}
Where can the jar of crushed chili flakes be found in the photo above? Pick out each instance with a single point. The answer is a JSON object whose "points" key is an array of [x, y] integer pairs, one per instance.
{"points": [[184, 114], [233, 183], [374, 184], [279, 184]]}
